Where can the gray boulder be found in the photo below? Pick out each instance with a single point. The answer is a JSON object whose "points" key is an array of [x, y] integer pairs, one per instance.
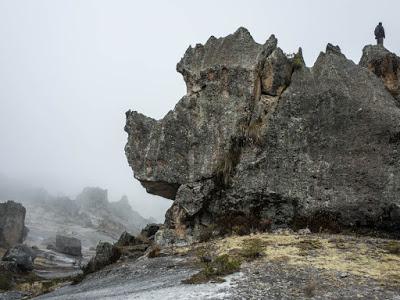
{"points": [[21, 255], [260, 137], [12, 224], [106, 254], [68, 245]]}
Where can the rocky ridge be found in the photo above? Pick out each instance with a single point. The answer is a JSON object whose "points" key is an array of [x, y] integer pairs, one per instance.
{"points": [[261, 138]]}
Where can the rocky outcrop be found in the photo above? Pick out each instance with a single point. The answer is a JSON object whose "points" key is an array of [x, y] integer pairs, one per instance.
{"points": [[132, 247], [260, 138], [12, 224], [68, 245], [106, 254], [22, 256], [385, 65]]}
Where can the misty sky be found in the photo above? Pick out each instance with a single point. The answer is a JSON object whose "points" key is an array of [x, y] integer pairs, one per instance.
{"points": [[69, 69]]}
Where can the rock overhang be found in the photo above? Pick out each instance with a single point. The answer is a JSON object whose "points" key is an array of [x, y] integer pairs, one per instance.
{"points": [[252, 111]]}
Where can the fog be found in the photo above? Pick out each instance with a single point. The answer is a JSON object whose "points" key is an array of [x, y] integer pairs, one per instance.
{"points": [[69, 69]]}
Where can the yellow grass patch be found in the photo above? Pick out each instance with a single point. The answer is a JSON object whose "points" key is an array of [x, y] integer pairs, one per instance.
{"points": [[359, 256]]}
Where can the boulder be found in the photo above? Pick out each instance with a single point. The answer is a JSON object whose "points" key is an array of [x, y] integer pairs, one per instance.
{"points": [[68, 245], [106, 254], [21, 255], [12, 224], [150, 230], [261, 137], [127, 239]]}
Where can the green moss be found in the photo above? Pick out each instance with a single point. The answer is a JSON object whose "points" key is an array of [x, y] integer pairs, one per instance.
{"points": [[297, 61]]}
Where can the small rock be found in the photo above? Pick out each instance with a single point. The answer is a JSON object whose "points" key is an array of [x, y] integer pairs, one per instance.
{"points": [[304, 231]]}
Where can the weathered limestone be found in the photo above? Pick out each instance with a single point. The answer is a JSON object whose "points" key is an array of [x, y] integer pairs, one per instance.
{"points": [[385, 65], [260, 138], [12, 224]]}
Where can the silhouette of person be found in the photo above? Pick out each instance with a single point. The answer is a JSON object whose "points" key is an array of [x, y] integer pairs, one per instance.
{"points": [[379, 34]]}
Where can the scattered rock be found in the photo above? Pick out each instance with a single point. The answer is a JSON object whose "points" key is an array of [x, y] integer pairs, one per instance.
{"points": [[12, 224], [68, 245], [22, 255]]}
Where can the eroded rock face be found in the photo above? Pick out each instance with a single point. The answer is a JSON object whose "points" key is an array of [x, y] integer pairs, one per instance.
{"points": [[385, 65], [261, 137], [12, 224]]}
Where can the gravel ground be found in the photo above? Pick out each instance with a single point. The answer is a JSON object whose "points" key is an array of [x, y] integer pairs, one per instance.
{"points": [[280, 281], [160, 278]]}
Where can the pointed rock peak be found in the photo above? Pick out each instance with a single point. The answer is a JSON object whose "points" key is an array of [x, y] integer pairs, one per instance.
{"points": [[272, 41], [298, 59], [242, 31], [333, 49]]}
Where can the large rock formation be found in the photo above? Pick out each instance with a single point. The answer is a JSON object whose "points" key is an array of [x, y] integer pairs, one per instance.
{"points": [[12, 224], [260, 138]]}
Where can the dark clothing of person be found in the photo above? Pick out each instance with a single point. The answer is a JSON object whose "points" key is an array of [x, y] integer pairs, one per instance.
{"points": [[379, 34]]}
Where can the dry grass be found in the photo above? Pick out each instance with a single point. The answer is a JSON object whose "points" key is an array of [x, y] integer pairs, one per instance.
{"points": [[154, 252], [367, 257]]}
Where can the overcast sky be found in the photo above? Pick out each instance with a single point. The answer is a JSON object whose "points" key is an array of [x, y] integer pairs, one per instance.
{"points": [[69, 69]]}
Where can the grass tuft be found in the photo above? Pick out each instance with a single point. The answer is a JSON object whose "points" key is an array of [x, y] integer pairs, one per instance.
{"points": [[252, 249], [212, 271]]}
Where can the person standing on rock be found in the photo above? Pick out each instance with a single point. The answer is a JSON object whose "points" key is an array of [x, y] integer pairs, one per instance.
{"points": [[379, 34]]}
